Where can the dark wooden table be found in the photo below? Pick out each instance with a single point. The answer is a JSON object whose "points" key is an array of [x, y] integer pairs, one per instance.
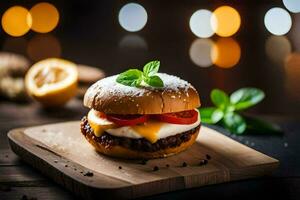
{"points": [[18, 179]]}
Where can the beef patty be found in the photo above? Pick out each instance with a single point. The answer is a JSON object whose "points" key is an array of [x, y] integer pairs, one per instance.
{"points": [[140, 144]]}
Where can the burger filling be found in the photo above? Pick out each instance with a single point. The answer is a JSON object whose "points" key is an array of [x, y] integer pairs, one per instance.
{"points": [[140, 144], [150, 127]]}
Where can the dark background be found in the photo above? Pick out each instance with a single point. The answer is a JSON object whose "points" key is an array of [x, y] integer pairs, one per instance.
{"points": [[89, 33]]}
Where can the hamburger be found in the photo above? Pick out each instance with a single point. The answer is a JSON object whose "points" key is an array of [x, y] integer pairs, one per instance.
{"points": [[141, 115]]}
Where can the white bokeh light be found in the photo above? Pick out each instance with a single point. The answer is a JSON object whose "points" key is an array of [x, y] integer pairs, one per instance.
{"points": [[278, 48], [200, 52], [278, 21], [133, 42], [292, 5], [133, 17], [200, 23]]}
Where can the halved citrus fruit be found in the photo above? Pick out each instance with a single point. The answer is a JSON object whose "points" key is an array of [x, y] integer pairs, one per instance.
{"points": [[52, 81]]}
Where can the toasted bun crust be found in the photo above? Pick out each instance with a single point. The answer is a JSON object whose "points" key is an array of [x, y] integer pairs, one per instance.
{"points": [[122, 152], [110, 97]]}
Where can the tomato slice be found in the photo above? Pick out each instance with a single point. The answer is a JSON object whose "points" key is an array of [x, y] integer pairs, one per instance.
{"points": [[127, 120], [184, 117]]}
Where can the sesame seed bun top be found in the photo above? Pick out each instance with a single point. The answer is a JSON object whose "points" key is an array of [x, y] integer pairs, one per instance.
{"points": [[110, 97]]}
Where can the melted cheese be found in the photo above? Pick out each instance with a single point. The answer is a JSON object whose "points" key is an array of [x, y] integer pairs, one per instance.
{"points": [[151, 130], [98, 124]]}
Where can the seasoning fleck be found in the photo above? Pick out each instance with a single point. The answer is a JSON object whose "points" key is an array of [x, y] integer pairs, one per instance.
{"points": [[208, 157], [6, 156], [24, 197], [155, 168], [144, 162], [167, 165], [203, 162], [184, 164], [56, 161], [66, 165], [120, 167], [89, 174]]}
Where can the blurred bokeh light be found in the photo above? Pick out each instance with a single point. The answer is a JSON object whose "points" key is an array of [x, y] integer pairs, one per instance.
{"points": [[278, 48], [133, 42], [200, 23], [15, 44], [292, 73], [133, 17], [200, 52], [45, 17], [226, 52], [278, 21], [294, 32], [16, 21], [292, 5], [43, 46], [225, 21]]}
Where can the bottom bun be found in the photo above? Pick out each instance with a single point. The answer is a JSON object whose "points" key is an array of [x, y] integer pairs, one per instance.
{"points": [[127, 153]]}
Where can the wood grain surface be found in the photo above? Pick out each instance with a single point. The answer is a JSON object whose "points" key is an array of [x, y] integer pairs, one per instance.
{"points": [[61, 152]]}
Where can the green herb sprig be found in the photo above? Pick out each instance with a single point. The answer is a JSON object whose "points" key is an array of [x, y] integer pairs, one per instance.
{"points": [[225, 112], [135, 77]]}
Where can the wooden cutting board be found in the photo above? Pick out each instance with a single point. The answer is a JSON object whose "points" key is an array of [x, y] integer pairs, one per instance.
{"points": [[63, 154]]}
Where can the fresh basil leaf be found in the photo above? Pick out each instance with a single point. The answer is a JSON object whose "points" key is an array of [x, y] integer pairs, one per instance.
{"points": [[219, 98], [211, 115], [151, 68], [256, 125], [246, 97], [234, 123], [131, 77], [154, 81]]}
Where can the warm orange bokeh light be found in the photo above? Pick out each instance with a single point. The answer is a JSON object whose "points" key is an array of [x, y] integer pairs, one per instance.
{"points": [[16, 21], [292, 73], [45, 17], [43, 46], [225, 21], [226, 53]]}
